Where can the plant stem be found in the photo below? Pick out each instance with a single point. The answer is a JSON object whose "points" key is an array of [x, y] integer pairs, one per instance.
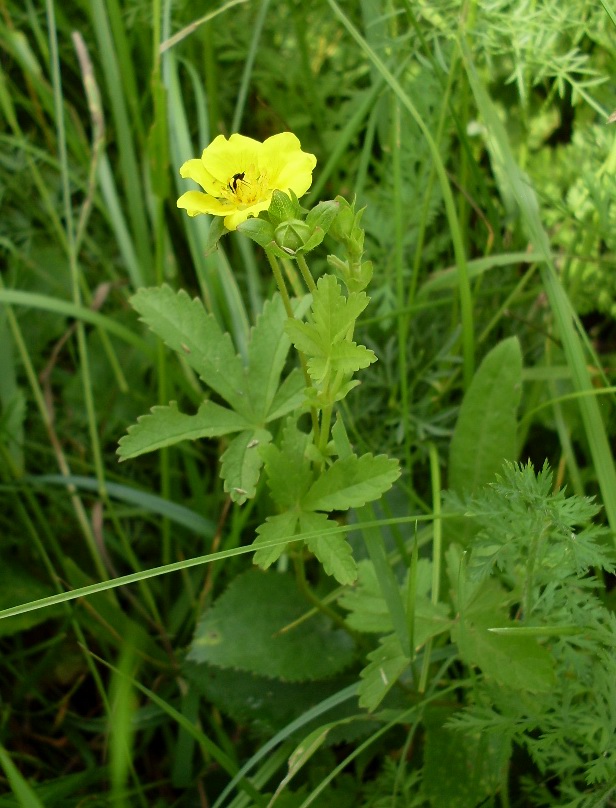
{"points": [[300, 575], [306, 274], [273, 262]]}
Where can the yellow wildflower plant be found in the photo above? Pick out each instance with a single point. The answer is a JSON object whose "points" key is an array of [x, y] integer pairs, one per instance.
{"points": [[239, 176]]}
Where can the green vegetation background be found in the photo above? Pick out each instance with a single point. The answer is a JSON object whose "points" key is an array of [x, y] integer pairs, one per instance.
{"points": [[475, 133]]}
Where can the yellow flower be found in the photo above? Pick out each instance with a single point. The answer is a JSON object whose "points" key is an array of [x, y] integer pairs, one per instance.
{"points": [[239, 176]]}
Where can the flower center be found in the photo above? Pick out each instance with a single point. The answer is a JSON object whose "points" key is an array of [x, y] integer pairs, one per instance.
{"points": [[245, 188]]}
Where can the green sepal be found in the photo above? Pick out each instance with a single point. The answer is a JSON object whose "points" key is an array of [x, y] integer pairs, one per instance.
{"points": [[215, 233], [284, 207], [259, 230]]}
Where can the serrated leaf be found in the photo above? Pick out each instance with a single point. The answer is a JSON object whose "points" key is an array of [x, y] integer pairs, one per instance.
{"points": [[280, 526], [485, 433], [289, 396], [352, 482], [333, 551], [267, 352], [387, 663], [323, 339], [344, 357], [368, 611], [512, 661], [244, 630], [333, 313], [288, 471], [166, 426], [241, 464], [185, 327]]}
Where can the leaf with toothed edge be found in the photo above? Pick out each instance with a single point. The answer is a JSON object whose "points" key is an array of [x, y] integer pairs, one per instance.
{"points": [[166, 426], [241, 464]]}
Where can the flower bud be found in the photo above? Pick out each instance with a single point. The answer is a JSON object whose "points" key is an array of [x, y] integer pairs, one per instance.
{"points": [[292, 235]]}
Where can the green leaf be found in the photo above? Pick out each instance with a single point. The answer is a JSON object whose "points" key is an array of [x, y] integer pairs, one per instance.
{"points": [[244, 630], [24, 794], [288, 471], [266, 706], [281, 526], [485, 433], [352, 482], [344, 357], [18, 586], [333, 551], [387, 664], [369, 612], [333, 313], [165, 426], [289, 396], [323, 214], [512, 661], [215, 232], [259, 230], [241, 464], [323, 339], [462, 769], [267, 352], [185, 327]]}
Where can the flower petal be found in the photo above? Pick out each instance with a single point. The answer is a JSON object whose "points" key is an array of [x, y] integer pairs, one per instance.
{"points": [[195, 170], [238, 216], [288, 166], [223, 158], [195, 202]]}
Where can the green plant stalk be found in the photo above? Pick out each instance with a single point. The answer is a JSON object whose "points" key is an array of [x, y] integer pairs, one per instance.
{"points": [[437, 551], [306, 273], [273, 262], [196, 561], [398, 259], [304, 588]]}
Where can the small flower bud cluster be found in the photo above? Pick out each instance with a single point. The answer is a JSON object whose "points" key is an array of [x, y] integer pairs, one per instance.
{"points": [[346, 229]]}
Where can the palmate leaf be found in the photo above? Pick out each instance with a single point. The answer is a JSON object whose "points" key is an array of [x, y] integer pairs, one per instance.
{"points": [[244, 630], [267, 353], [241, 464], [166, 426], [323, 339], [333, 313], [184, 326], [344, 357], [352, 482], [289, 396], [288, 471]]}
